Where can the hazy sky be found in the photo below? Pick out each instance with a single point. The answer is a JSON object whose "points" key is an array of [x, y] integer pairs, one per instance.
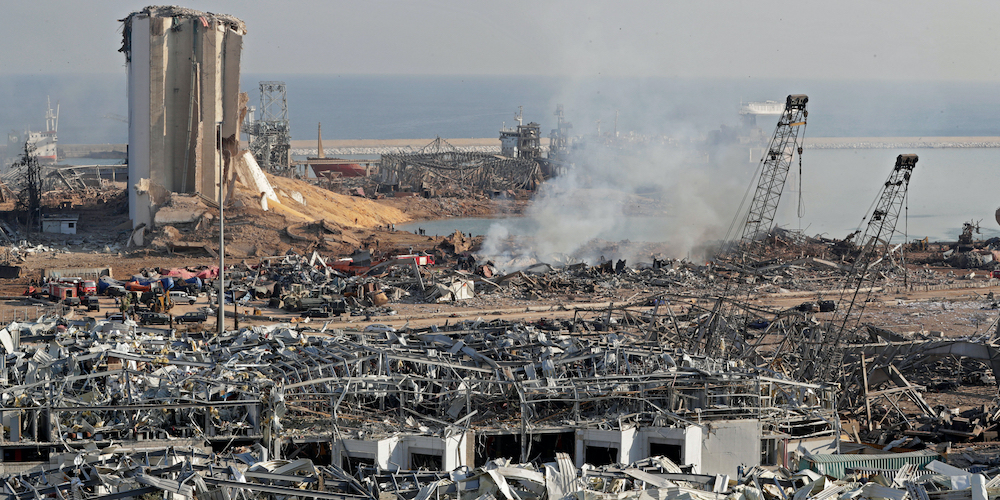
{"points": [[843, 39]]}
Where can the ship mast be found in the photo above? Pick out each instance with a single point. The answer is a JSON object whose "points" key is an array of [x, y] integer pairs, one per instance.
{"points": [[51, 119]]}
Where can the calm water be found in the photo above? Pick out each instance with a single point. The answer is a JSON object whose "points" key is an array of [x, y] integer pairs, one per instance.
{"points": [[407, 107], [948, 187]]}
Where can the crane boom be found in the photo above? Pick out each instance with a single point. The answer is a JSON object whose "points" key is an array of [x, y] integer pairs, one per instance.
{"points": [[773, 172], [881, 225]]}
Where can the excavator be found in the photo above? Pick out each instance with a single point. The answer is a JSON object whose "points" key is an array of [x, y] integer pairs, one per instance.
{"points": [[156, 301]]}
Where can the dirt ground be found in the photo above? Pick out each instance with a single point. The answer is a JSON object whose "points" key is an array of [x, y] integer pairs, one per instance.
{"points": [[335, 224]]}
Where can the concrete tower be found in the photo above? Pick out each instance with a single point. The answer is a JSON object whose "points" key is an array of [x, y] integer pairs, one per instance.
{"points": [[183, 101]]}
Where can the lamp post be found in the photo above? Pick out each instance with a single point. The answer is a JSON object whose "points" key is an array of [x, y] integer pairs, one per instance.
{"points": [[221, 321]]}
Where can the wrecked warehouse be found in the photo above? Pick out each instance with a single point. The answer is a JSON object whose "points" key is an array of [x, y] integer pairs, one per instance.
{"points": [[399, 400]]}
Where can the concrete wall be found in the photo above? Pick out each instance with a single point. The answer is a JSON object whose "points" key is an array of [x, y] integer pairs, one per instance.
{"points": [[139, 95], [625, 441], [60, 226], [394, 452], [726, 444]]}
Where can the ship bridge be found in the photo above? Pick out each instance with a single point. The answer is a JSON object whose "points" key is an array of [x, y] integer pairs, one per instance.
{"points": [[749, 111]]}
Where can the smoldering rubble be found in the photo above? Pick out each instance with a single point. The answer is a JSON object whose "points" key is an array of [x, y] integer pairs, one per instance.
{"points": [[646, 396]]}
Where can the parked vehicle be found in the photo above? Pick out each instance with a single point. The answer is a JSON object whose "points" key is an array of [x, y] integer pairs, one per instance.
{"points": [[192, 317], [91, 302], [315, 312], [180, 296], [80, 287], [338, 307], [152, 318]]}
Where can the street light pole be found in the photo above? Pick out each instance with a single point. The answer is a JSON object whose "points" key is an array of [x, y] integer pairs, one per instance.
{"points": [[221, 321]]}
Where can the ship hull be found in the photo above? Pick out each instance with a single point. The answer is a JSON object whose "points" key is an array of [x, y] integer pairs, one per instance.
{"points": [[324, 167]]}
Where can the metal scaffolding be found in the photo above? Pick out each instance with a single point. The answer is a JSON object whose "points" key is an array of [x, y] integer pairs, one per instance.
{"points": [[440, 167], [270, 135]]}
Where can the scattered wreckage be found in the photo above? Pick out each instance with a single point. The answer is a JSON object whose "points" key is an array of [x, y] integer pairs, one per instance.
{"points": [[112, 409]]}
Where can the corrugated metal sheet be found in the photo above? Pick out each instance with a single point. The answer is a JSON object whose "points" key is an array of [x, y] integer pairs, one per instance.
{"points": [[834, 465]]}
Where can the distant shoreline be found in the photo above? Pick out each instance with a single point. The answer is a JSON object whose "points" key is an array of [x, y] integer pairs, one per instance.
{"points": [[814, 142], [332, 146], [900, 142]]}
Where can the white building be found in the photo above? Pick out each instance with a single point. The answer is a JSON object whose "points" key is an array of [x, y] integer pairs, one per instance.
{"points": [[60, 224]]}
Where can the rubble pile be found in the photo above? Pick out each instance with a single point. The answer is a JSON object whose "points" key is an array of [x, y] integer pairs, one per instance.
{"points": [[249, 474], [718, 367]]}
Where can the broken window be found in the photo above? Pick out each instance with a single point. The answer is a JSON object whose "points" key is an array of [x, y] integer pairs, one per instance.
{"points": [[425, 461], [353, 464], [600, 455], [672, 451]]}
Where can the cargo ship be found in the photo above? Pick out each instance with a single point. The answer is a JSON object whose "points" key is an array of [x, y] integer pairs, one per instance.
{"points": [[327, 167], [43, 142]]}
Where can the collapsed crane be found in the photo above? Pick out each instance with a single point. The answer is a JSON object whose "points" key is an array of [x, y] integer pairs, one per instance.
{"points": [[773, 171], [860, 281]]}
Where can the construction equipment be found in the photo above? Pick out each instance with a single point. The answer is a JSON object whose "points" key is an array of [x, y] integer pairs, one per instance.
{"points": [[773, 171], [722, 326], [158, 302], [826, 365]]}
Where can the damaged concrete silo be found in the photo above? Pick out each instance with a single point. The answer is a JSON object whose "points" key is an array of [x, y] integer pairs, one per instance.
{"points": [[183, 97]]}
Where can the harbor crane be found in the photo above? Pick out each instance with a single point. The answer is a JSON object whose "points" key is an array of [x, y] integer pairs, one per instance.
{"points": [[773, 171], [827, 362], [774, 166]]}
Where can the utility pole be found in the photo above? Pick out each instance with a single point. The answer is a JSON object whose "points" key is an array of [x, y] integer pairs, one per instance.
{"points": [[222, 241]]}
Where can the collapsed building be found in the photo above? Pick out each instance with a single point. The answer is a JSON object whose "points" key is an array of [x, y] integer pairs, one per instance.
{"points": [[440, 168], [435, 399]]}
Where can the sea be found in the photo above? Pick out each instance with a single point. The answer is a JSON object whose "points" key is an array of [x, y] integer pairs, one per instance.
{"points": [[950, 185]]}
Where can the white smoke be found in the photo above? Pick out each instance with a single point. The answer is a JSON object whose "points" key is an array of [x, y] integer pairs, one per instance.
{"points": [[676, 196]]}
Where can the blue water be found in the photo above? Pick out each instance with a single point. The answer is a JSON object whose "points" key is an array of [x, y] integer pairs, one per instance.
{"points": [[407, 107]]}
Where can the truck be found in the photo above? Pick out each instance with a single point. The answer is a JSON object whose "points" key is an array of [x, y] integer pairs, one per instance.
{"points": [[91, 302], [60, 291], [81, 287]]}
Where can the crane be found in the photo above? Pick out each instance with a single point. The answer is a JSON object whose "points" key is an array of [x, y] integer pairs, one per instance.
{"points": [[760, 215], [881, 225], [773, 172]]}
